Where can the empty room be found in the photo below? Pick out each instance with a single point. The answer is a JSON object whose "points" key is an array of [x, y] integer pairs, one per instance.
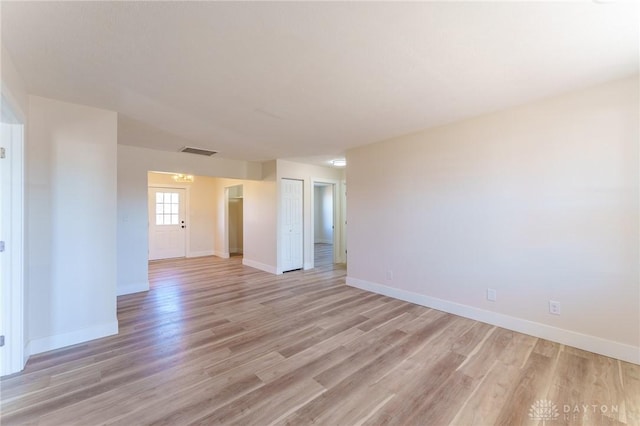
{"points": [[333, 213]]}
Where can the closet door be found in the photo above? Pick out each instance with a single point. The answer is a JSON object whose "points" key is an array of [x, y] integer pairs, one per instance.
{"points": [[291, 239]]}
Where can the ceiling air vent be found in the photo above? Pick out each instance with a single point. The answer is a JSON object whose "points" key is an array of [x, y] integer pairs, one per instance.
{"points": [[198, 151]]}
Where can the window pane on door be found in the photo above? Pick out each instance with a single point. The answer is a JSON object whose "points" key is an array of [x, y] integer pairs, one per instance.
{"points": [[167, 208]]}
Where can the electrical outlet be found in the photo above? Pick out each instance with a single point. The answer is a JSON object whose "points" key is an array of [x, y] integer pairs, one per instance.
{"points": [[554, 307], [389, 275], [491, 294]]}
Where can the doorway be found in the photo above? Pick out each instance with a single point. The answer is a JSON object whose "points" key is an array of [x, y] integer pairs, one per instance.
{"points": [[328, 210], [167, 222], [323, 224], [234, 226], [12, 343]]}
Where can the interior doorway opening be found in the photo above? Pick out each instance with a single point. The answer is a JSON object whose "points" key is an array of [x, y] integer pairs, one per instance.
{"points": [[323, 224], [328, 217], [234, 223]]}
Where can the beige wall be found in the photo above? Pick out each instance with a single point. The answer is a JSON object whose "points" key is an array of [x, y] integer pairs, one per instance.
{"points": [[539, 202], [71, 217]]}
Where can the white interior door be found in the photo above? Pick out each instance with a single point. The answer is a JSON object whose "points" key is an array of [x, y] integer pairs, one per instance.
{"points": [[291, 225], [167, 223]]}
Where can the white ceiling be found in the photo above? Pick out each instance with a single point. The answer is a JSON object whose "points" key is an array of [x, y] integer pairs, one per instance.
{"points": [[265, 80]]}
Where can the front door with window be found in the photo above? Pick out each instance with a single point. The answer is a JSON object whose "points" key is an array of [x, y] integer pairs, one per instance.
{"points": [[167, 223]]}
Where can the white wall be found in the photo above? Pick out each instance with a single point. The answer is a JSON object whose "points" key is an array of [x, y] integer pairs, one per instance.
{"points": [[71, 216], [308, 174], [539, 202], [13, 87], [133, 165], [260, 245]]}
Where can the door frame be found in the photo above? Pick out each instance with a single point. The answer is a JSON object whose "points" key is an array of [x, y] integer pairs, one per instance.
{"points": [[338, 220], [187, 245], [15, 356], [227, 253]]}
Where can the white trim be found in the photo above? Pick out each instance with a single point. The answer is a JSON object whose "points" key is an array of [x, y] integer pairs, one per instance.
{"points": [[131, 288], [340, 249], [225, 224], [308, 265], [201, 253], [57, 341], [12, 356], [339, 233], [258, 265], [589, 343], [221, 254]]}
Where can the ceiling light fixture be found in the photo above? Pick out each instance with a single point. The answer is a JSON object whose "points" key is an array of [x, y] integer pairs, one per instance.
{"points": [[179, 177], [339, 163]]}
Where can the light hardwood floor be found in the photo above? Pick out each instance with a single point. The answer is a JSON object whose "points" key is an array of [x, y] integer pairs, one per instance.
{"points": [[322, 254], [214, 342]]}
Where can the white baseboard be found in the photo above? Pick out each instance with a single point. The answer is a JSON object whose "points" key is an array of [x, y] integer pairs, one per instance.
{"points": [[221, 254], [57, 341], [201, 253], [262, 266], [131, 288], [586, 342], [307, 265]]}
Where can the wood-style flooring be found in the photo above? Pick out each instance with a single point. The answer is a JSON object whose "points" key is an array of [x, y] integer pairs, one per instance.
{"points": [[322, 254], [215, 342]]}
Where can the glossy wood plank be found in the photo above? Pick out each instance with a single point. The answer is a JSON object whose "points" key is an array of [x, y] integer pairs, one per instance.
{"points": [[215, 342]]}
